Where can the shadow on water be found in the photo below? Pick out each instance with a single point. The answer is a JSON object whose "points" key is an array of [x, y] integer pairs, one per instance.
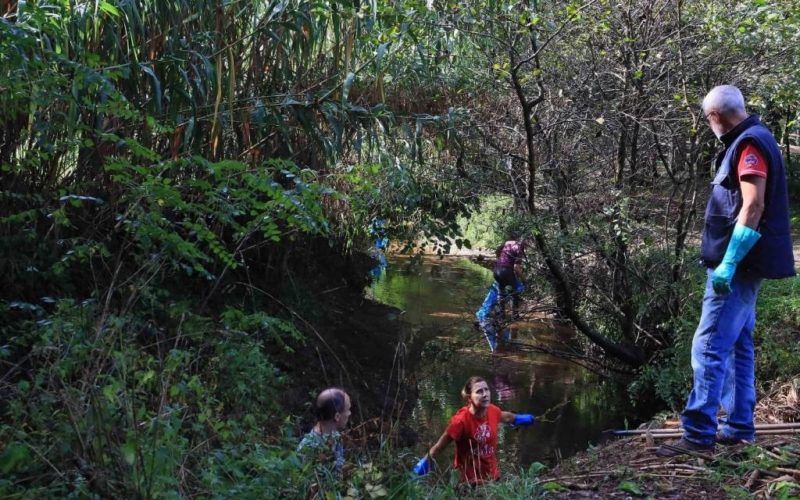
{"points": [[439, 299]]}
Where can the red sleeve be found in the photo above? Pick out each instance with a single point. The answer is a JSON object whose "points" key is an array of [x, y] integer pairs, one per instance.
{"points": [[455, 429], [751, 161]]}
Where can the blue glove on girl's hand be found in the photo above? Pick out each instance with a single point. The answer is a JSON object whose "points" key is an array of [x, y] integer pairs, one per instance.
{"points": [[522, 419], [742, 240], [423, 466]]}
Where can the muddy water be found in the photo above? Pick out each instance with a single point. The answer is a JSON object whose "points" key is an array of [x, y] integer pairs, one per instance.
{"points": [[439, 298]]}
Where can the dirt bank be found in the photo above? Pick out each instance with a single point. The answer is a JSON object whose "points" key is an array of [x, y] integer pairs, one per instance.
{"points": [[770, 468], [353, 343]]}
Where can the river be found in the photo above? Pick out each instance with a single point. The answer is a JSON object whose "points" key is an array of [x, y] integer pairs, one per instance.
{"points": [[438, 298]]}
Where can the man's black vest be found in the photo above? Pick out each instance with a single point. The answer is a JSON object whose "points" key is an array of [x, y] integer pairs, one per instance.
{"points": [[772, 256]]}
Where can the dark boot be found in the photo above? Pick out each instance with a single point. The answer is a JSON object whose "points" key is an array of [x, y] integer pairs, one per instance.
{"points": [[730, 440], [682, 447]]}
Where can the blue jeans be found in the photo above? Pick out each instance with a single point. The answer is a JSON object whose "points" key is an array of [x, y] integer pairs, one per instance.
{"points": [[723, 361]]}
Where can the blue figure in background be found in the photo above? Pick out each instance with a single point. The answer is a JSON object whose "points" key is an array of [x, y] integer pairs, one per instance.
{"points": [[378, 231], [489, 317]]}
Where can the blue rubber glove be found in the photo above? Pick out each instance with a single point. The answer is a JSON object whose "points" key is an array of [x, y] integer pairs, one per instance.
{"points": [[522, 419], [423, 466], [742, 240]]}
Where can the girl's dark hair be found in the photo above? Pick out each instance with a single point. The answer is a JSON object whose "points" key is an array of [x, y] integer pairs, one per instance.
{"points": [[329, 403], [467, 390]]}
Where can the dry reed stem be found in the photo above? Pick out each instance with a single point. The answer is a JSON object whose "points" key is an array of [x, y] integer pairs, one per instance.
{"points": [[751, 481]]}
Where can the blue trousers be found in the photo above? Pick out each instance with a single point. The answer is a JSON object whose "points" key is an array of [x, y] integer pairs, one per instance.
{"points": [[723, 362]]}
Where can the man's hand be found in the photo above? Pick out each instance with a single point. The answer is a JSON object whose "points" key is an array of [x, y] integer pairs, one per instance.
{"points": [[742, 240], [722, 276]]}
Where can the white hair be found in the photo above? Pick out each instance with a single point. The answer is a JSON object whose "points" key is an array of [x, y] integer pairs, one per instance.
{"points": [[727, 100]]}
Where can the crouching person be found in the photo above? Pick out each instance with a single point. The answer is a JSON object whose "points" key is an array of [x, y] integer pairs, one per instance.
{"points": [[323, 446]]}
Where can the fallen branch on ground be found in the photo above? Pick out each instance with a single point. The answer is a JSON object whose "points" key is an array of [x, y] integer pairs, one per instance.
{"points": [[634, 432]]}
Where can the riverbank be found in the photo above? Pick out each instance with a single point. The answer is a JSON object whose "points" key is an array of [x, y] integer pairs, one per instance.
{"points": [[628, 467], [363, 352], [770, 468]]}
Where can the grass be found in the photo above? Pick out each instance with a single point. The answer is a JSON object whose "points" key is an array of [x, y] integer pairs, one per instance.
{"points": [[777, 329]]}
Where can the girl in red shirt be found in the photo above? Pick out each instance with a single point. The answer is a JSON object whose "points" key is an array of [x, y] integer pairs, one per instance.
{"points": [[474, 430]]}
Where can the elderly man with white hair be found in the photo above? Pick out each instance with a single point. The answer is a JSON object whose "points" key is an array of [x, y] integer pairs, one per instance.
{"points": [[745, 240]]}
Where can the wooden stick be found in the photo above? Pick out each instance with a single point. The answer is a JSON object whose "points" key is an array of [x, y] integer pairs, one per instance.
{"points": [[671, 475], [783, 478], [769, 473], [793, 472], [580, 476], [644, 460], [634, 432], [781, 425], [689, 452], [751, 481], [778, 432], [675, 466], [773, 455]]}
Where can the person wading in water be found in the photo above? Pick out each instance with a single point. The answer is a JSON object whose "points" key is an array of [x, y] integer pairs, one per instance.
{"points": [[509, 258], [474, 430]]}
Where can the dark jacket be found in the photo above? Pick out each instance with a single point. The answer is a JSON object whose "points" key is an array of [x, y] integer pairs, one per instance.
{"points": [[772, 256]]}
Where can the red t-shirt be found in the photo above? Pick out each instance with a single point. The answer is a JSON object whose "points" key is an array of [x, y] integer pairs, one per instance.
{"points": [[476, 443], [751, 161]]}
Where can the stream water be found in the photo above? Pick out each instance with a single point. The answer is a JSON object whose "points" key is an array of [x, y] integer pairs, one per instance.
{"points": [[438, 299]]}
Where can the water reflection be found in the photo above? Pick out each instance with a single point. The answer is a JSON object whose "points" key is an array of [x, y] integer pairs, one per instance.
{"points": [[503, 387], [439, 298]]}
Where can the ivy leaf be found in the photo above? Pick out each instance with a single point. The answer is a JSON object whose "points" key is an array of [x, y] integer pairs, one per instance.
{"points": [[554, 486], [630, 487]]}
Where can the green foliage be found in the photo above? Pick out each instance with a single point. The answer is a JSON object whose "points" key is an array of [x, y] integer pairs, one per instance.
{"points": [[163, 162], [777, 325], [253, 470], [134, 381], [486, 226], [134, 402], [184, 209], [669, 375], [517, 483]]}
